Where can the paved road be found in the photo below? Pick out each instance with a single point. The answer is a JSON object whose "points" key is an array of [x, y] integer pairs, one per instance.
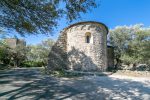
{"points": [[31, 84]]}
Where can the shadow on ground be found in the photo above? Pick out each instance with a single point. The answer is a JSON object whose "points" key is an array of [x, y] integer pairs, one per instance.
{"points": [[30, 84]]}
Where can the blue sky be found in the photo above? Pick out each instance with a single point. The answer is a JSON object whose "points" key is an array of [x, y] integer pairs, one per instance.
{"points": [[110, 12]]}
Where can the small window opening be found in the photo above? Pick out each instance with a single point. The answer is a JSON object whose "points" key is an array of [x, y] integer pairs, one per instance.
{"points": [[88, 37]]}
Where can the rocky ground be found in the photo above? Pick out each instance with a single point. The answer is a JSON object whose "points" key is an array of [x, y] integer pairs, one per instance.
{"points": [[31, 84]]}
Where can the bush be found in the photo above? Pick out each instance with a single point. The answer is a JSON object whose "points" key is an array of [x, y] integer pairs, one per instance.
{"points": [[32, 64], [127, 60], [143, 67], [4, 66]]}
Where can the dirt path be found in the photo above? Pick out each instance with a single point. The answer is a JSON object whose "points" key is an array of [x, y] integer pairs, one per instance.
{"points": [[30, 84]]}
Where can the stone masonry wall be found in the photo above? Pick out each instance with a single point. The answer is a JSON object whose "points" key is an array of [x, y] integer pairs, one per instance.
{"points": [[87, 56], [58, 56], [110, 56]]}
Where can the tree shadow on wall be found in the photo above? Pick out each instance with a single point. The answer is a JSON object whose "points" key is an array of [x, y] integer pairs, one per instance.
{"points": [[57, 59], [79, 61], [75, 59]]}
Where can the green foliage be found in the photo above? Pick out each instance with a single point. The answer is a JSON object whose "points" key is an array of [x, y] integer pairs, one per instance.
{"points": [[40, 52], [31, 64], [12, 56], [18, 54], [131, 44], [128, 59], [40, 16], [62, 73], [5, 57], [25, 56]]}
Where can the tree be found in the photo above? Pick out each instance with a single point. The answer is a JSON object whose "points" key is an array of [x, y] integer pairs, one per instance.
{"points": [[4, 55], [18, 54], [139, 47], [40, 52], [119, 38], [45, 47], [131, 44], [12, 55], [40, 16]]}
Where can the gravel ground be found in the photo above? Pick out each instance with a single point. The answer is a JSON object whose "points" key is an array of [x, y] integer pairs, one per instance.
{"points": [[30, 84]]}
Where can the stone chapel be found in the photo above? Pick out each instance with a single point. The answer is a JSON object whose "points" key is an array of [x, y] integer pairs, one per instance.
{"points": [[82, 47]]}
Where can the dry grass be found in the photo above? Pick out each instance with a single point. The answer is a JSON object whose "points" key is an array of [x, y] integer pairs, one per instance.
{"points": [[134, 73]]}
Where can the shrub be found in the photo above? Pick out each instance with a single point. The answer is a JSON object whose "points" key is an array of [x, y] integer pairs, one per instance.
{"points": [[143, 67], [32, 64], [4, 66]]}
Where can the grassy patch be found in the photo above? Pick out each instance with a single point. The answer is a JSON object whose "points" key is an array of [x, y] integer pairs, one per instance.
{"points": [[65, 74], [62, 73], [72, 74]]}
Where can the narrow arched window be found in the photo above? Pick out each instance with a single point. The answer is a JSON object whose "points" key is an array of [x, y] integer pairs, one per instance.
{"points": [[88, 37]]}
